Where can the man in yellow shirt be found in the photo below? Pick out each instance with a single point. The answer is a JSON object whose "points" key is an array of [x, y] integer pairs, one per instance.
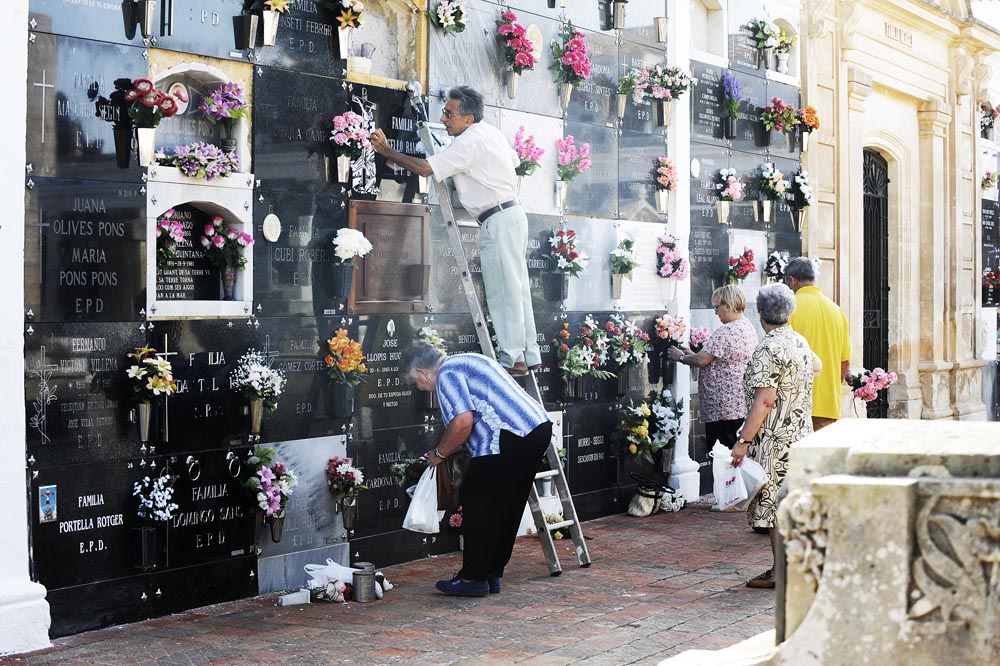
{"points": [[823, 324]]}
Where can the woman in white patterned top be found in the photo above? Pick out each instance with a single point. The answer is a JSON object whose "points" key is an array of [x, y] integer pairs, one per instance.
{"points": [[778, 385], [723, 361]]}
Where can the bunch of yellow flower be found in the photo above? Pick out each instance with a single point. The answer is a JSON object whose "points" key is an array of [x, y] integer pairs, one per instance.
{"points": [[631, 437], [345, 362]]}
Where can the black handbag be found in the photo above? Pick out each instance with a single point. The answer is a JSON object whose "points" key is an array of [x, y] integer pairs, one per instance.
{"points": [[646, 500], [450, 475]]}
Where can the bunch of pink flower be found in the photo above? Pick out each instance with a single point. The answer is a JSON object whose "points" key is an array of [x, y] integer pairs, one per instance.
{"points": [[455, 520], [666, 174], [225, 246], [517, 48], [528, 151], [740, 267], [572, 162], [169, 233], [698, 338], [670, 262], [343, 478], [780, 116], [867, 383], [350, 135], [148, 106], [670, 329], [729, 187], [569, 55]]}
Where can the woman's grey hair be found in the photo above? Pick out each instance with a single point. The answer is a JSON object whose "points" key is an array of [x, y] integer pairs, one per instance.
{"points": [[419, 356], [802, 269], [775, 304], [470, 102]]}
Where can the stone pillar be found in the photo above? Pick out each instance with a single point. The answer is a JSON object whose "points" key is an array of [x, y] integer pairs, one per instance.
{"points": [[683, 474], [24, 613], [935, 248]]}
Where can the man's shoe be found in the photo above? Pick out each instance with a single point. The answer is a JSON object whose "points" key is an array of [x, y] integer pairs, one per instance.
{"points": [[458, 587], [495, 583], [519, 369]]}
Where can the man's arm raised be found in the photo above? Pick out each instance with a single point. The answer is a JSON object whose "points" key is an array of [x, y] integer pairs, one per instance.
{"points": [[416, 165]]}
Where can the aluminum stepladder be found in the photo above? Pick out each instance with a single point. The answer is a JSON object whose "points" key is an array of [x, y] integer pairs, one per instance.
{"points": [[555, 471]]}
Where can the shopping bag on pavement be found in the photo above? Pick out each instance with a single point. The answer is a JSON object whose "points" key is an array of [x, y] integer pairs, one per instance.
{"points": [[423, 515], [727, 483]]}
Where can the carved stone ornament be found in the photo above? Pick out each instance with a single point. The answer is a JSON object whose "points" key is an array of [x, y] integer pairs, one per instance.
{"points": [[802, 524], [963, 67], [819, 24], [850, 17], [956, 578]]}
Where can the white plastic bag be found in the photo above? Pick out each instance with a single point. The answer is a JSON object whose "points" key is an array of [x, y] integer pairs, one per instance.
{"points": [[754, 478], [727, 481], [423, 515], [323, 575]]}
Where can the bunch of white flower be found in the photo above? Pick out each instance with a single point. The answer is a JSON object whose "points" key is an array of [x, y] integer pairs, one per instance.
{"points": [[154, 498], [431, 337], [350, 243], [666, 417], [802, 188], [254, 378]]}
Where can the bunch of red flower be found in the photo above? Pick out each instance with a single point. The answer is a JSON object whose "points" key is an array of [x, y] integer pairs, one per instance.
{"points": [[517, 49], [564, 254], [740, 267], [991, 279], [149, 105]]}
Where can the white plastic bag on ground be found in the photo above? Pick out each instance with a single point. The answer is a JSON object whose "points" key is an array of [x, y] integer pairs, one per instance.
{"points": [[728, 483], [331, 573], [754, 478], [423, 515]]}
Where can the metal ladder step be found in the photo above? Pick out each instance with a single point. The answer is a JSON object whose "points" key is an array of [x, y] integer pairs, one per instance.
{"points": [[556, 472]]}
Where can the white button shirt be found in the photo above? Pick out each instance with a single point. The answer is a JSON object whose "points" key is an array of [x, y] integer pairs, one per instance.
{"points": [[482, 164]]}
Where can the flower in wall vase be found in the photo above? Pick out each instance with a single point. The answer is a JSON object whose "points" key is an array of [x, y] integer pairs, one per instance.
{"points": [[347, 507], [793, 143], [729, 127], [229, 283], [663, 110], [256, 415], [662, 201], [668, 290], [783, 62], [341, 397], [668, 370], [618, 15], [620, 100], [245, 31], [123, 146], [144, 15], [511, 78], [343, 281], [556, 286], [565, 92], [143, 413], [660, 22], [616, 285], [798, 218], [277, 522], [804, 138], [764, 57], [146, 140], [763, 210], [270, 20], [561, 187], [575, 388], [344, 37], [722, 211]]}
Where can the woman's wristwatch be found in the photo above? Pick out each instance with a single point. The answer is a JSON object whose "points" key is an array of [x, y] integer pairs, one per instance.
{"points": [[740, 440]]}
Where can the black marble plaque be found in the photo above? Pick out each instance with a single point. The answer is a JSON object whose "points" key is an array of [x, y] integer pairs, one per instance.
{"points": [[307, 42], [65, 137], [593, 98], [215, 517], [94, 605], [638, 117], [636, 175], [639, 26], [594, 192], [742, 46], [77, 398], [782, 222], [386, 397], [84, 251], [190, 276], [710, 160], [294, 275], [707, 109], [173, 591], [750, 133], [748, 167], [709, 256], [589, 465]]}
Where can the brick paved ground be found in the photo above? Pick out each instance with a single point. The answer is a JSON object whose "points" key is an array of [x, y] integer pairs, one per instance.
{"points": [[657, 586]]}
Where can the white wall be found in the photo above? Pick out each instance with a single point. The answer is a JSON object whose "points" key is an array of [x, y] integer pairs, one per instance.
{"points": [[24, 614]]}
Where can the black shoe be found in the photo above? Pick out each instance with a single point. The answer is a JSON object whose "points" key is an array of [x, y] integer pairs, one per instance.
{"points": [[495, 582], [458, 587]]}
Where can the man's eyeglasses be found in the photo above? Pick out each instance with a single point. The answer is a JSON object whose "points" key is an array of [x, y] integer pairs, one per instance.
{"points": [[450, 114]]}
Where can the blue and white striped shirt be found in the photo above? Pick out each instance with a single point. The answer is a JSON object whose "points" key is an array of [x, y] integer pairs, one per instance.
{"points": [[475, 383]]}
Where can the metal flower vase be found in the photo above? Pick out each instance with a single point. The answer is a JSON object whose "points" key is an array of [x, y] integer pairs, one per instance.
{"points": [[668, 370], [625, 379], [146, 140], [146, 547], [544, 487], [343, 169], [228, 283], [764, 57], [722, 211], [552, 4], [616, 285], [245, 31], [695, 374], [729, 127], [799, 214], [763, 211], [621, 99], [663, 110], [343, 281], [256, 415], [431, 400], [145, 13], [662, 201], [575, 388], [123, 146], [618, 15], [341, 397], [344, 36], [793, 140], [561, 187], [511, 79], [347, 507], [270, 24], [144, 412], [668, 290], [277, 523], [129, 19], [565, 92], [804, 139], [660, 23]]}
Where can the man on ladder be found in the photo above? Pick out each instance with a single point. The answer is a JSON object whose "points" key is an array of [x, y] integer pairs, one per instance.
{"points": [[481, 164]]}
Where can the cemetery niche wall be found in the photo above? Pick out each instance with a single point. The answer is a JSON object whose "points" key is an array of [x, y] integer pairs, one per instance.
{"points": [[101, 282]]}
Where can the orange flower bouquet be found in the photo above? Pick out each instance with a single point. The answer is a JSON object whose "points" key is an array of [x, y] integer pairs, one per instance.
{"points": [[345, 360], [809, 119]]}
